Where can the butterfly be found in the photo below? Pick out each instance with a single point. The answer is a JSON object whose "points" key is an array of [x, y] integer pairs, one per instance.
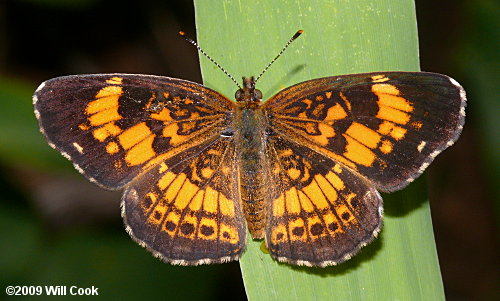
{"points": [[302, 170]]}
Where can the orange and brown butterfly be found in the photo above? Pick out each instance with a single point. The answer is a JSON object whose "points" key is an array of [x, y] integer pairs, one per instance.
{"points": [[301, 170]]}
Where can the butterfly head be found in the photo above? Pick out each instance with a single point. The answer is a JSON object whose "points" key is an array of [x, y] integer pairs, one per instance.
{"points": [[248, 93]]}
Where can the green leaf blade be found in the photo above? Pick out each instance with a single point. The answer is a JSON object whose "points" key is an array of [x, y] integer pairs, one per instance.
{"points": [[340, 37]]}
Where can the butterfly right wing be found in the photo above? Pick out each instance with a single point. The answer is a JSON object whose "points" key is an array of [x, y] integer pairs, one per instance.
{"points": [[186, 210], [160, 138], [114, 127]]}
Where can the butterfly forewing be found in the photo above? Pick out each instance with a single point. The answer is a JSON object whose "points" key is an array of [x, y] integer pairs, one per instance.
{"points": [[116, 126], [387, 127]]}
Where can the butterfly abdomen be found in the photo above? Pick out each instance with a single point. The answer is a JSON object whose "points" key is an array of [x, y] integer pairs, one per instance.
{"points": [[251, 159]]}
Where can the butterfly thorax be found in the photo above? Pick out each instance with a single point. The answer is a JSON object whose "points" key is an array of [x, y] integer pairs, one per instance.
{"points": [[250, 125]]}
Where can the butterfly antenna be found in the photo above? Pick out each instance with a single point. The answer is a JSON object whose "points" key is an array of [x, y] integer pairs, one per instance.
{"points": [[295, 36], [183, 34]]}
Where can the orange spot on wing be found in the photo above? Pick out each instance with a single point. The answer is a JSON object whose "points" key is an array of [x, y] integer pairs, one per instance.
{"points": [[305, 202], [210, 200], [347, 102], [308, 102], [341, 209], [141, 152], [379, 78], [174, 187], [226, 205], [358, 153], [398, 133], [293, 173], [209, 223], [157, 215], [329, 219], [115, 81], [105, 131], [172, 219], [312, 221], [297, 223], [163, 168], [279, 234], [335, 113], [229, 234], [105, 108], [386, 146], [363, 134], [395, 102], [185, 194], [83, 127], [313, 191], [391, 114], [134, 135], [391, 106], [105, 116], [326, 132], [389, 128], [335, 180], [165, 180], [327, 189], [292, 201], [192, 221], [146, 205], [385, 89], [207, 172], [109, 91], [416, 125], [171, 131], [279, 206], [163, 115], [112, 148], [197, 201]]}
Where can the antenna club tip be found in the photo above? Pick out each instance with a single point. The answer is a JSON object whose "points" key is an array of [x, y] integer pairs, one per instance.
{"points": [[297, 34]]}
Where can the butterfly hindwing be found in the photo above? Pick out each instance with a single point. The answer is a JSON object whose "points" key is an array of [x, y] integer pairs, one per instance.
{"points": [[116, 126], [185, 210], [386, 126], [322, 213]]}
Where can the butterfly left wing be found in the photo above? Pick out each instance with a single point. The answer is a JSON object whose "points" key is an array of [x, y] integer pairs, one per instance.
{"points": [[388, 126], [335, 141], [321, 212]]}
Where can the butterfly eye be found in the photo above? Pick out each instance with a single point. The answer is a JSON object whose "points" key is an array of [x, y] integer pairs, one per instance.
{"points": [[257, 94], [238, 94]]}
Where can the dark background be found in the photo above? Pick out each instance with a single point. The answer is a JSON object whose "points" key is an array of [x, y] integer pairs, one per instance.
{"points": [[58, 229]]}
